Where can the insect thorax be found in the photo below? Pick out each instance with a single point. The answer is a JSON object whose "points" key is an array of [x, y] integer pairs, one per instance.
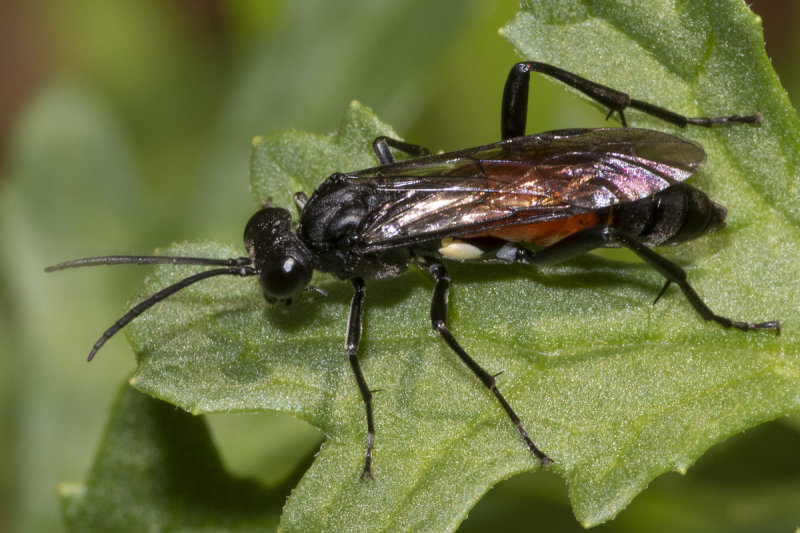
{"points": [[329, 227]]}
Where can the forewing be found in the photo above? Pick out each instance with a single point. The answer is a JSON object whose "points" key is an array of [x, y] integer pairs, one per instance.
{"points": [[521, 181]]}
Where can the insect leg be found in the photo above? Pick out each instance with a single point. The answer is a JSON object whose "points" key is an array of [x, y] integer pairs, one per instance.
{"points": [[300, 200], [351, 346], [675, 274], [381, 146], [515, 101], [578, 243], [600, 236], [438, 321]]}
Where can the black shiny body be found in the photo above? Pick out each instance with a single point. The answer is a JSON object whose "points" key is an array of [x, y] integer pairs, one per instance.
{"points": [[529, 199], [330, 225], [675, 215]]}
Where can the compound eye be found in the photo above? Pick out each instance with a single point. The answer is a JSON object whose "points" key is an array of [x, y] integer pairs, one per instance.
{"points": [[283, 277]]}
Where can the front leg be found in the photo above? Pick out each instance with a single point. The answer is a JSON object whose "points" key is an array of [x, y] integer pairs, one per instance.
{"points": [[351, 345], [438, 321]]}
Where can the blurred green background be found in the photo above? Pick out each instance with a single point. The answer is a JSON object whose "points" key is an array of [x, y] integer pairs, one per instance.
{"points": [[125, 126]]}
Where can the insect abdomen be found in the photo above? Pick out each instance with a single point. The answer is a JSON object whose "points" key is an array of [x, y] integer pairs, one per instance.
{"points": [[548, 232], [677, 214]]}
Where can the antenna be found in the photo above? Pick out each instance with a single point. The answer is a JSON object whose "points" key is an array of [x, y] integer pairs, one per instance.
{"points": [[241, 266]]}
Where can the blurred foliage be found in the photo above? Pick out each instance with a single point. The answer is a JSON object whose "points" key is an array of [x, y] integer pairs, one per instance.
{"points": [[157, 470], [140, 136]]}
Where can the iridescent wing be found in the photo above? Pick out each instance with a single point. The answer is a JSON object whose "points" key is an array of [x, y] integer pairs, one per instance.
{"points": [[521, 181]]}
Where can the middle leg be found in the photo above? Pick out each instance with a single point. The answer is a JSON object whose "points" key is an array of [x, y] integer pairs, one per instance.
{"points": [[382, 147], [438, 321], [351, 345]]}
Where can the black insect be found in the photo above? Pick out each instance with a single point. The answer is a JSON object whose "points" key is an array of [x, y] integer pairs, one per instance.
{"points": [[563, 193]]}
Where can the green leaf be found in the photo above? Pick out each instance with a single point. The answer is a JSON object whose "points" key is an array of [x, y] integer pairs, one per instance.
{"points": [[614, 389], [721, 493], [157, 470]]}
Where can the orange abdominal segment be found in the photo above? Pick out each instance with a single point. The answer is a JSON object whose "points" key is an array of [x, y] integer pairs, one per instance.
{"points": [[547, 232]]}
